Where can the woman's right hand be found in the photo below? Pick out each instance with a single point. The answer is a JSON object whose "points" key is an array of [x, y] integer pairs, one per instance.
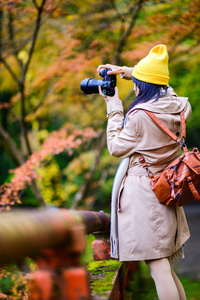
{"points": [[117, 70], [107, 98]]}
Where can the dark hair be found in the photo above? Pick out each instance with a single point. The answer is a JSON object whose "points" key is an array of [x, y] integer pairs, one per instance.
{"points": [[147, 91]]}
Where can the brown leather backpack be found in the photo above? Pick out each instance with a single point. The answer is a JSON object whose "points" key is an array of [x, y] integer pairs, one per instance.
{"points": [[179, 183]]}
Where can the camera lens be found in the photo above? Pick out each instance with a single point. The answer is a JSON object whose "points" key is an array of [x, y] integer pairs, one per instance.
{"points": [[91, 86]]}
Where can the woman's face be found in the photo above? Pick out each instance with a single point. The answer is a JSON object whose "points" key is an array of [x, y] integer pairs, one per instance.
{"points": [[136, 90]]}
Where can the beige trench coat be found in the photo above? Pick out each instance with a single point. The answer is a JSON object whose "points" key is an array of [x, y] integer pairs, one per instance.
{"points": [[146, 228]]}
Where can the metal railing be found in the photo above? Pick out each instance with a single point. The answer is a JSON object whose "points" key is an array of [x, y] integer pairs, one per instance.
{"points": [[55, 239]]}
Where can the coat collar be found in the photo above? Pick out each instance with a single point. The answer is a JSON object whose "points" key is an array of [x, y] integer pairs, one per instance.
{"points": [[168, 104]]}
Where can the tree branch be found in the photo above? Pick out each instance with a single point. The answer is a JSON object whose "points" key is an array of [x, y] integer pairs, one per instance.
{"points": [[1, 21], [136, 9], [12, 73], [24, 72], [81, 194], [34, 38], [11, 146], [23, 122], [103, 25], [11, 37], [21, 83], [180, 40], [183, 52], [35, 4]]}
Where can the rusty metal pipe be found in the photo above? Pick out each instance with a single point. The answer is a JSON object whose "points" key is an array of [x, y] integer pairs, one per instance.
{"points": [[25, 233], [95, 221]]}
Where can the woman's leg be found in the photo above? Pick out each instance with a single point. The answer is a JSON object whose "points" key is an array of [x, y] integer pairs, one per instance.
{"points": [[179, 286], [161, 273]]}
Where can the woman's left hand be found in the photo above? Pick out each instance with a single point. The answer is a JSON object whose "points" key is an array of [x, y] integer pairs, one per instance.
{"points": [[108, 98], [117, 70]]}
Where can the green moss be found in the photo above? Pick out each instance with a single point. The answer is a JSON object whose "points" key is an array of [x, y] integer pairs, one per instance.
{"points": [[102, 275], [108, 264]]}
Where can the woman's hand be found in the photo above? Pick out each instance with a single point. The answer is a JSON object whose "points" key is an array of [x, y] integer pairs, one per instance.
{"points": [[115, 69], [107, 98]]}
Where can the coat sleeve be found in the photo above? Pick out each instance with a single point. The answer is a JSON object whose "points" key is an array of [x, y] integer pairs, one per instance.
{"points": [[128, 73], [121, 142]]}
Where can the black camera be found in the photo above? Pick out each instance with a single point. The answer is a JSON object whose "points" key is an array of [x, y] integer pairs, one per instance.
{"points": [[108, 83]]}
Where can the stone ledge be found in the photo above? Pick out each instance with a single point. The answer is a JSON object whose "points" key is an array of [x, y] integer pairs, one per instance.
{"points": [[109, 278]]}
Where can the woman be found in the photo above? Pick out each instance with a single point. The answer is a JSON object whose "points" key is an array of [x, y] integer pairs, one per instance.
{"points": [[148, 230]]}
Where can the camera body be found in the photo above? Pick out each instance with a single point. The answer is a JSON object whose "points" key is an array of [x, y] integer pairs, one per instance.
{"points": [[108, 83]]}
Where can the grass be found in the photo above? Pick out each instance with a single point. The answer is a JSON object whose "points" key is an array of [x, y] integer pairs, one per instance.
{"points": [[143, 286]]}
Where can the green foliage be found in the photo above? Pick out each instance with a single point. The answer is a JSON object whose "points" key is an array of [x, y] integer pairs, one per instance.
{"points": [[51, 184], [13, 281], [87, 256], [185, 80], [144, 288]]}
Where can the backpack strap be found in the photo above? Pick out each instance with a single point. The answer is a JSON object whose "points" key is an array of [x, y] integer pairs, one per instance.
{"points": [[165, 129], [183, 125], [168, 132]]}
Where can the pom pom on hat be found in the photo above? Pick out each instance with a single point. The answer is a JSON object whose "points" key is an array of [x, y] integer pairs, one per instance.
{"points": [[154, 67]]}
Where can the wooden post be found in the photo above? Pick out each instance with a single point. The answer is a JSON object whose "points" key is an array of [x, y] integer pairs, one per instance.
{"points": [[60, 274], [101, 246]]}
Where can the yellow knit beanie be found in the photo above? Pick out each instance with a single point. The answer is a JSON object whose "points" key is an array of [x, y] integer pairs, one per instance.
{"points": [[154, 67]]}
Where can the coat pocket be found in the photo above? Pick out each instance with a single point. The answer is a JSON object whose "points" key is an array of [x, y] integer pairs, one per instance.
{"points": [[120, 194]]}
